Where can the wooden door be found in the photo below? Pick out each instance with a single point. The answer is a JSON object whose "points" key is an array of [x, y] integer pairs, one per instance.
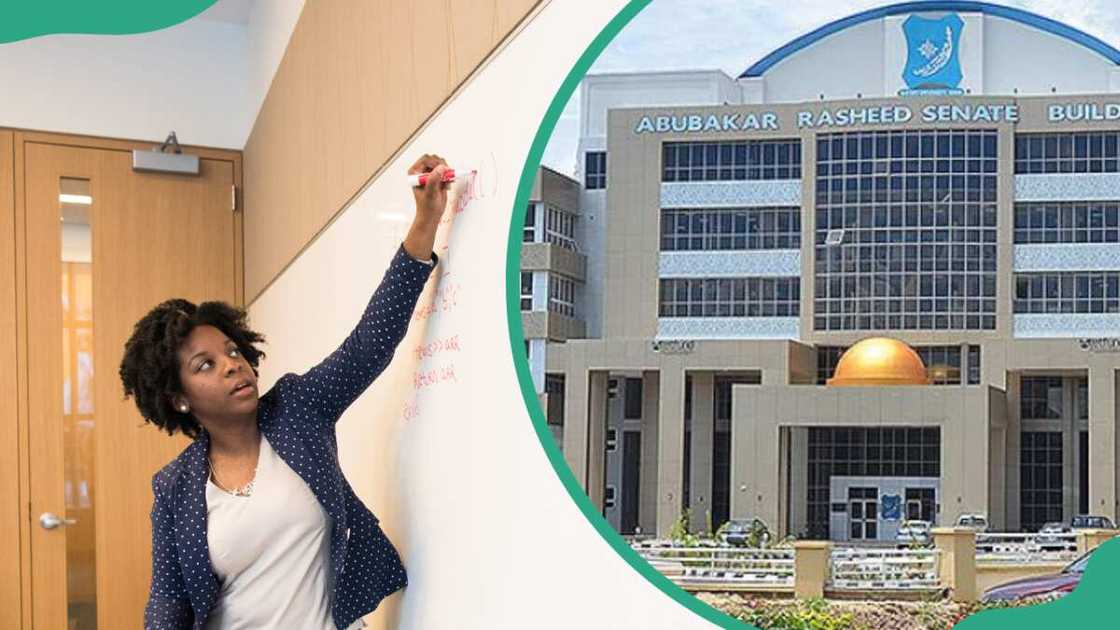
{"points": [[10, 544], [116, 242]]}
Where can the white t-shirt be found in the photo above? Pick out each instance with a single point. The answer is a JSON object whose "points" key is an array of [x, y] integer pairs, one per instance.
{"points": [[272, 552]]}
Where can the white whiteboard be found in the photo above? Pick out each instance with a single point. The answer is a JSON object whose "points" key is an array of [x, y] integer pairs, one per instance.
{"points": [[441, 447]]}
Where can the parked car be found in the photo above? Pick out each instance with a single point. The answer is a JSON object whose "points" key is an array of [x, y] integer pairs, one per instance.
{"points": [[979, 524], [1042, 585], [914, 533], [1088, 521], [1055, 537], [746, 533]]}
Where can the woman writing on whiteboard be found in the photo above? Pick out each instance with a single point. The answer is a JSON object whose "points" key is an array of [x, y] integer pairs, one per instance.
{"points": [[253, 524]]}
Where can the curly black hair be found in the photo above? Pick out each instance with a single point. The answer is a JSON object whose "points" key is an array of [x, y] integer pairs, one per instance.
{"points": [[150, 367]]}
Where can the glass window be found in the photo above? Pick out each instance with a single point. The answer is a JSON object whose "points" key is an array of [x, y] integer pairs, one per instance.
{"points": [[1066, 222], [560, 228], [1041, 398], [864, 451], [1085, 152], [924, 225], [595, 170], [730, 229], [561, 295], [730, 297], [526, 290], [1040, 473], [529, 231], [740, 160], [1067, 292]]}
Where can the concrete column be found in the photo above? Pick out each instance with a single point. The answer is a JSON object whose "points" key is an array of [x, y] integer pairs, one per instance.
{"points": [[754, 454], [811, 564], [701, 448], [597, 437], [1014, 440], [997, 477], [670, 446], [799, 480], [1102, 437], [647, 481], [965, 364], [1092, 538], [781, 526], [1069, 443], [575, 423], [957, 563]]}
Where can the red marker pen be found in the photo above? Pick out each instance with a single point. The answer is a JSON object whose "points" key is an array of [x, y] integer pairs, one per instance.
{"points": [[421, 179]]}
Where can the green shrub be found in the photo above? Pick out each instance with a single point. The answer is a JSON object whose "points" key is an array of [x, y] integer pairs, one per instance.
{"points": [[810, 614]]}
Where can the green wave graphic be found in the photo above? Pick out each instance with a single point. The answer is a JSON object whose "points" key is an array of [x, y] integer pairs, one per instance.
{"points": [[25, 19]]}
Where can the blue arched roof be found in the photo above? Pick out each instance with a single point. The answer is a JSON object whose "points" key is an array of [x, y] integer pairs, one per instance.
{"points": [[1010, 13]]}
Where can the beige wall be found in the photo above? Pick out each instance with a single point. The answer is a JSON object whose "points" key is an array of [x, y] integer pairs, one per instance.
{"points": [[557, 189], [758, 413], [549, 257], [358, 79], [550, 325], [989, 575]]}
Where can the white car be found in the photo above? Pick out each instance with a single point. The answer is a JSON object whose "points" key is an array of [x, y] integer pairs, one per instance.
{"points": [[979, 524], [912, 533]]}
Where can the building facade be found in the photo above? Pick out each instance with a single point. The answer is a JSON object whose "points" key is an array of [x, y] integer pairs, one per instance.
{"points": [[553, 272], [946, 175]]}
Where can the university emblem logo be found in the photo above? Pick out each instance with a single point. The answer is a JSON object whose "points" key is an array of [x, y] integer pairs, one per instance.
{"points": [[933, 55], [890, 507]]}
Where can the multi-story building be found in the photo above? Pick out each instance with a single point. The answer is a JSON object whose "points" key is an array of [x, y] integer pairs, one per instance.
{"points": [[553, 271], [946, 176]]}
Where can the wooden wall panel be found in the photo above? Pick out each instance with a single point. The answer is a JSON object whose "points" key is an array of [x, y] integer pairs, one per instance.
{"points": [[10, 509], [358, 78]]}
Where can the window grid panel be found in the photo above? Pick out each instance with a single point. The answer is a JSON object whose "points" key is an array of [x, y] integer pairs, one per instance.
{"points": [[701, 229], [529, 230], [560, 228], [1067, 292], [1085, 152], [739, 160], [974, 371], [595, 167], [1067, 222], [865, 452], [1040, 398], [919, 220], [1040, 472], [561, 295], [526, 291], [730, 297]]}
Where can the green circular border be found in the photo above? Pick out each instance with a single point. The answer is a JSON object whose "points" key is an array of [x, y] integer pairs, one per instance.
{"points": [[517, 335]]}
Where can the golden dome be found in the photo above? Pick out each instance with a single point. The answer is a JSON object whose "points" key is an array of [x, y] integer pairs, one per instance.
{"points": [[880, 361]]}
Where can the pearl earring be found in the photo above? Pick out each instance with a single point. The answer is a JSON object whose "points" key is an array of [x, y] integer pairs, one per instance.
{"points": [[183, 408]]}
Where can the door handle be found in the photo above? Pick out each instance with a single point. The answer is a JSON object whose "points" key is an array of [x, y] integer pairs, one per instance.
{"points": [[51, 521]]}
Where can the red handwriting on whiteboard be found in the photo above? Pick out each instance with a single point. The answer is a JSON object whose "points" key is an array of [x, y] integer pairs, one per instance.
{"points": [[434, 376], [480, 185], [463, 201], [411, 410], [450, 344], [445, 299]]}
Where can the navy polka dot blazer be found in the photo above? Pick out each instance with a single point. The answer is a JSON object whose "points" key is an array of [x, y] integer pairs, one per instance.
{"points": [[298, 417]]}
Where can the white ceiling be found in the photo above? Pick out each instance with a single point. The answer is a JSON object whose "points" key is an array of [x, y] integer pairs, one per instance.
{"points": [[229, 11]]}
